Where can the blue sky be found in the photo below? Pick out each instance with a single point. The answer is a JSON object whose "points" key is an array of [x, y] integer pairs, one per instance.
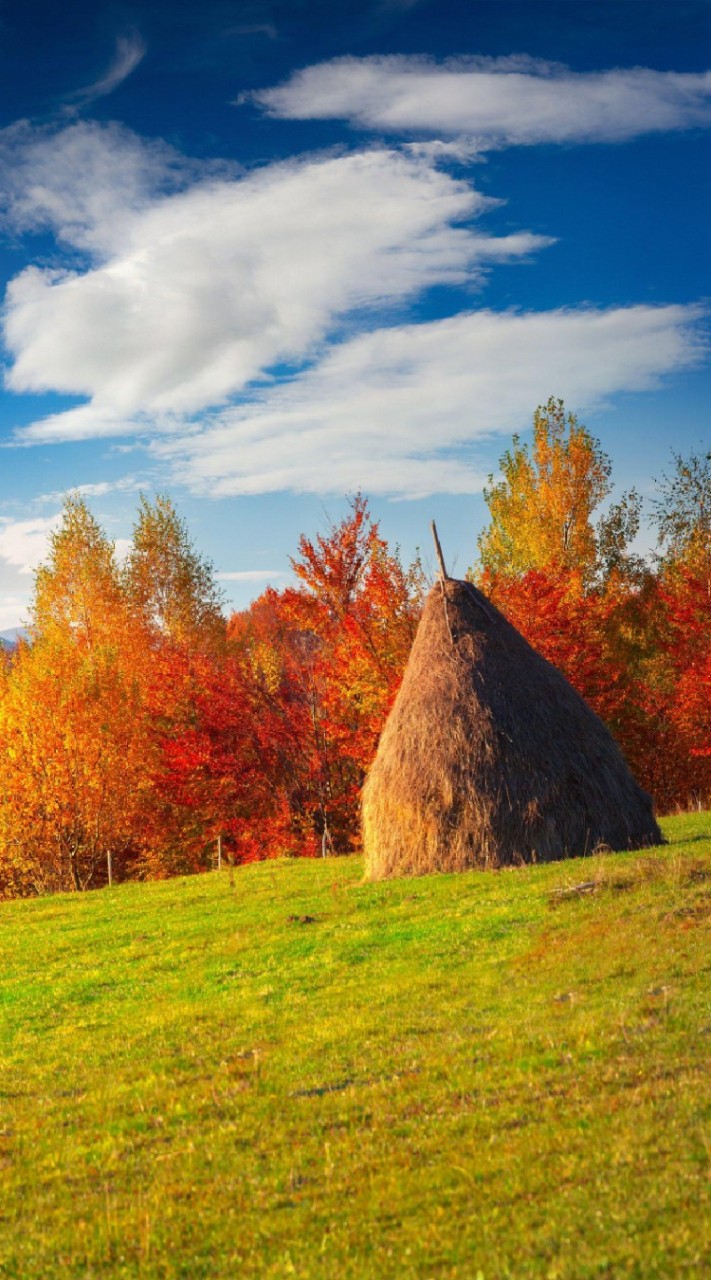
{"points": [[261, 255]]}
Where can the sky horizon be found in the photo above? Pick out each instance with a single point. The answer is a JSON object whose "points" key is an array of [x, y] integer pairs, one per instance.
{"points": [[263, 255]]}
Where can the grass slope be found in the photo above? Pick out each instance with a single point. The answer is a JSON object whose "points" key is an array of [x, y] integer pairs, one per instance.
{"points": [[460, 1076]]}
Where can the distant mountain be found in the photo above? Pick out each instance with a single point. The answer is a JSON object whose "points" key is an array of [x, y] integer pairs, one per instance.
{"points": [[9, 639]]}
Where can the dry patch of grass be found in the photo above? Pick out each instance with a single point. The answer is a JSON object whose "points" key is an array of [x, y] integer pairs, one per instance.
{"points": [[674, 872]]}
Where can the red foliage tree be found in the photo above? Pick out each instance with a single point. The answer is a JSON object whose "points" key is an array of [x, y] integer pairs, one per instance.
{"points": [[633, 641], [330, 655]]}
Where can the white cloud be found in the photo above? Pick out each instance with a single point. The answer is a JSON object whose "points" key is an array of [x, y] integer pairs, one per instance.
{"points": [[461, 148], [86, 183], [85, 422], [497, 102], [130, 50], [400, 411], [23, 543], [99, 489], [241, 298], [198, 293]]}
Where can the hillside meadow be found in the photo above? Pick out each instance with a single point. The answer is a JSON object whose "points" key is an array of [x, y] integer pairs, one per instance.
{"points": [[286, 1071]]}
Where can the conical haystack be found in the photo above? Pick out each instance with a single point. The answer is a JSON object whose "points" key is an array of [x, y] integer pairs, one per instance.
{"points": [[489, 757]]}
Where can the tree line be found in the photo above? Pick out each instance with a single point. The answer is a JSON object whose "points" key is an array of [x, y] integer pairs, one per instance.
{"points": [[141, 729]]}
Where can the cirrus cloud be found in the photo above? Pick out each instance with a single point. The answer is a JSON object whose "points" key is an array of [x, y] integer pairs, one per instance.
{"points": [[86, 183], [195, 294], [129, 52], [400, 411], [515, 101], [258, 301]]}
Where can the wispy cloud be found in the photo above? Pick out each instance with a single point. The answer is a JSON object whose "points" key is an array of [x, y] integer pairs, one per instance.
{"points": [[253, 300], [86, 183], [99, 489], [85, 422], [400, 412], [197, 293], [253, 29], [130, 51], [495, 102]]}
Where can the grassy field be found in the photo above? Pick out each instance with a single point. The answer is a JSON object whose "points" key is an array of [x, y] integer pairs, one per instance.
{"points": [[288, 1072]]}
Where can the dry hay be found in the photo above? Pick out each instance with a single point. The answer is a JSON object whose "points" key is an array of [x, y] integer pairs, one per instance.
{"points": [[490, 758]]}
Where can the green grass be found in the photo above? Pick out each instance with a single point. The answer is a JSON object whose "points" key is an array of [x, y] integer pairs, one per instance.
{"points": [[458, 1076]]}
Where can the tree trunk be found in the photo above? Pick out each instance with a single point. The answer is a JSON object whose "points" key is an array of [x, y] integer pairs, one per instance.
{"points": [[75, 871]]}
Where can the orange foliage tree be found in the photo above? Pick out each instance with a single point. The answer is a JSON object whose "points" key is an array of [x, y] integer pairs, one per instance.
{"points": [[132, 735], [75, 739]]}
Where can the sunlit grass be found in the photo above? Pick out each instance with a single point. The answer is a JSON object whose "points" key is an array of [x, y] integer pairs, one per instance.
{"points": [[438, 1077]]}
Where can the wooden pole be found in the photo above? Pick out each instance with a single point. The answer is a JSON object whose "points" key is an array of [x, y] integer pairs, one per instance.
{"points": [[442, 567], [219, 853]]}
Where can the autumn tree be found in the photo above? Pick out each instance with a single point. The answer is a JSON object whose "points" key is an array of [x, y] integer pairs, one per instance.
{"points": [[207, 742], [217, 742], [71, 719], [565, 574], [681, 661], [682, 515], [214, 740], [330, 654], [632, 641], [134, 735], [170, 586], [541, 509]]}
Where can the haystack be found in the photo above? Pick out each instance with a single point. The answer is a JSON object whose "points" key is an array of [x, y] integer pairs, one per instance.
{"points": [[489, 757]]}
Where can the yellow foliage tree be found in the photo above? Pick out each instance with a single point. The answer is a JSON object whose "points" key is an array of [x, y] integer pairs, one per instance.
{"points": [[170, 587], [541, 510], [75, 736]]}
